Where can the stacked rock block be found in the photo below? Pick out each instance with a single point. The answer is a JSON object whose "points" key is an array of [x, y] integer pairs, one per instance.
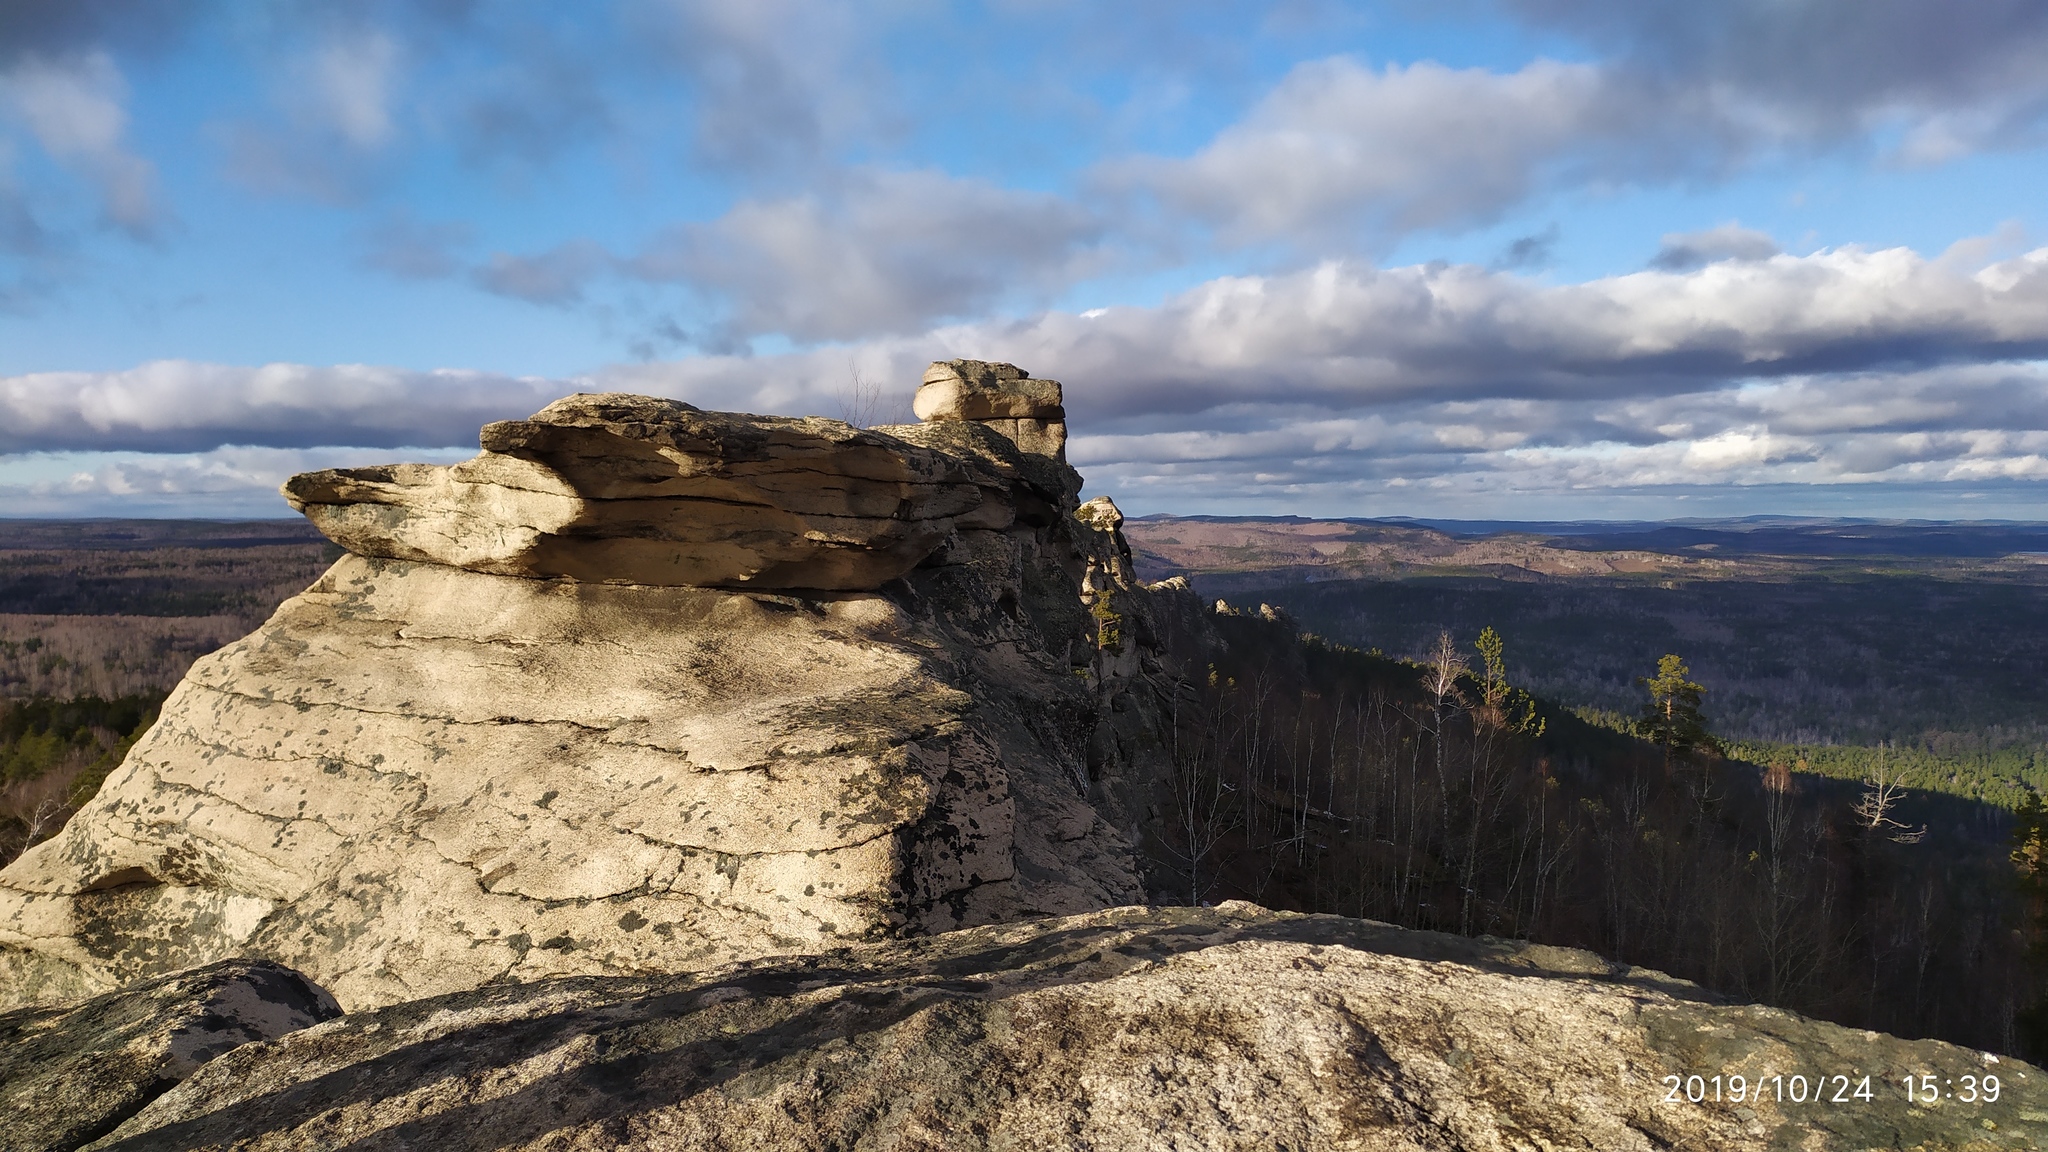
{"points": [[1029, 413]]}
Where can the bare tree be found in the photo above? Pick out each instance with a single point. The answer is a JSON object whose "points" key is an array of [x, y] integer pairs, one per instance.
{"points": [[1204, 808], [32, 811], [1882, 793], [861, 403]]}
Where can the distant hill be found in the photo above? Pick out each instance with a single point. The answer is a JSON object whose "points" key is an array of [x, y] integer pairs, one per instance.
{"points": [[1216, 544]]}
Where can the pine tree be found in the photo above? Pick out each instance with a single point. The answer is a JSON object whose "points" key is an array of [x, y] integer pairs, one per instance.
{"points": [[1672, 720], [2030, 860]]}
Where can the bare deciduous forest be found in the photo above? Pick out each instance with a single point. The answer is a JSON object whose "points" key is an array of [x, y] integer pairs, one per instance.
{"points": [[1428, 794], [98, 620]]}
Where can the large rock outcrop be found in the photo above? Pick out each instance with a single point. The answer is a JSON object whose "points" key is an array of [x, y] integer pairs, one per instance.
{"points": [[1031, 414], [1128, 1029], [638, 689]]}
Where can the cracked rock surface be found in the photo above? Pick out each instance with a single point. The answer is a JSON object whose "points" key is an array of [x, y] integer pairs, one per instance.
{"points": [[70, 1073], [425, 776], [1227, 1028]]}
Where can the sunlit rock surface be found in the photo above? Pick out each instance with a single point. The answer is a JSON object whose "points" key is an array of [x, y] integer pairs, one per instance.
{"points": [[627, 489]]}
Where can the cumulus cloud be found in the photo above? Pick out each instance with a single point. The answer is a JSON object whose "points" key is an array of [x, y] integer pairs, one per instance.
{"points": [[1338, 149], [1313, 390], [1453, 388], [886, 252], [1346, 333], [1343, 155], [232, 481], [1957, 79], [76, 108]]}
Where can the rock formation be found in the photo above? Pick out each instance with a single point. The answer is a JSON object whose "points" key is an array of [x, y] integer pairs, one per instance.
{"points": [[1129, 1029], [632, 490], [640, 688], [1029, 413], [70, 1074]]}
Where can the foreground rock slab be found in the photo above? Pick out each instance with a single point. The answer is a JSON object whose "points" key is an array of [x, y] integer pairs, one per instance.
{"points": [[70, 1073], [1230, 1028]]}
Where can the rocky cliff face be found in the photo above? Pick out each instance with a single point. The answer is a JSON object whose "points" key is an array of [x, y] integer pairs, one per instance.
{"points": [[640, 688]]}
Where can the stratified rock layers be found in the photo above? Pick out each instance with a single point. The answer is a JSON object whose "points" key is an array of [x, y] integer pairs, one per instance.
{"points": [[420, 776], [625, 489]]}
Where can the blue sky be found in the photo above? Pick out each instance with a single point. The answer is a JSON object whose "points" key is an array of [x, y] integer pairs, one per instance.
{"points": [[1532, 259]]}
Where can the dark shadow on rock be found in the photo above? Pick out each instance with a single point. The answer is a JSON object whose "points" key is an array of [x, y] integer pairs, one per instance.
{"points": [[71, 1073]]}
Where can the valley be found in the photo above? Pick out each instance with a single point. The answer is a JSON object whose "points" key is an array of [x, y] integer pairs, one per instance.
{"points": [[1832, 643]]}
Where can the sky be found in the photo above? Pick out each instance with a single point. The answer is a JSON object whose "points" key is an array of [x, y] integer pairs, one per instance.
{"points": [[1525, 259]]}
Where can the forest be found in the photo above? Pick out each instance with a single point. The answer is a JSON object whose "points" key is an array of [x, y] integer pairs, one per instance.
{"points": [[1436, 794], [98, 620], [1836, 643]]}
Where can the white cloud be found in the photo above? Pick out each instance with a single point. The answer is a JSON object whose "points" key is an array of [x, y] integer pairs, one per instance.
{"points": [[1315, 390], [882, 253], [230, 481], [1345, 334], [180, 405], [1338, 149], [76, 107]]}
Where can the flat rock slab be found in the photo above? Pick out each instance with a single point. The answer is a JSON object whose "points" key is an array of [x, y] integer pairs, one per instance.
{"points": [[70, 1073], [1126, 1029]]}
